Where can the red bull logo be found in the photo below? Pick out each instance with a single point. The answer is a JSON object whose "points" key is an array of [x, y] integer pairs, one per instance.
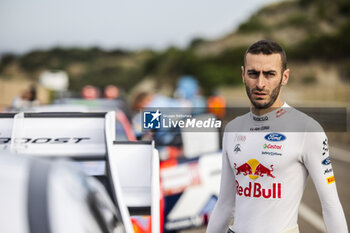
{"points": [[254, 169], [256, 190], [280, 112]]}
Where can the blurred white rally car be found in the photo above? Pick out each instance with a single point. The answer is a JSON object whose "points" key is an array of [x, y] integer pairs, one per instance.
{"points": [[88, 139], [42, 196]]}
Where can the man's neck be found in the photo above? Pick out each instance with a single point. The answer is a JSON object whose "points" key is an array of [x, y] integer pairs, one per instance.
{"points": [[263, 111]]}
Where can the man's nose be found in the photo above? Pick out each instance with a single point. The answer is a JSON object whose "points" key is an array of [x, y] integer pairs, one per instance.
{"points": [[260, 82]]}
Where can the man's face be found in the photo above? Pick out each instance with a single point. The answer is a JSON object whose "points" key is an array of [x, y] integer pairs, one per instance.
{"points": [[263, 78]]}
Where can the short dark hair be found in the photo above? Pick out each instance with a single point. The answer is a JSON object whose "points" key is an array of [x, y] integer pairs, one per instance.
{"points": [[267, 47]]}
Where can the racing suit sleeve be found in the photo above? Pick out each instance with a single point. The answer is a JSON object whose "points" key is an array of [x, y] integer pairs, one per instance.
{"points": [[223, 211], [316, 160]]}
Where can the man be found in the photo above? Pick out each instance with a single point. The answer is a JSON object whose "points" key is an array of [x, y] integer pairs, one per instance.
{"points": [[268, 154]]}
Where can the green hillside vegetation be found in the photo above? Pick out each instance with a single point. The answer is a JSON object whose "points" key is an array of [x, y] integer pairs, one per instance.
{"points": [[84, 66], [310, 30]]}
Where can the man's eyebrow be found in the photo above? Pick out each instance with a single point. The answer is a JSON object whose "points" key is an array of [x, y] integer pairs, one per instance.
{"points": [[252, 70], [269, 71]]}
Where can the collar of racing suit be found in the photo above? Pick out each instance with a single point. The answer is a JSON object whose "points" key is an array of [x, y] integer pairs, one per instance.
{"points": [[270, 116]]}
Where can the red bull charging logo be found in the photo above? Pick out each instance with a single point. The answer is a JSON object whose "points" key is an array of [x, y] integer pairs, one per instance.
{"points": [[254, 169]]}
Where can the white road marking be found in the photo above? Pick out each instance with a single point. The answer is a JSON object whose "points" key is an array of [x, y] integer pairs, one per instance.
{"points": [[312, 217], [340, 154]]}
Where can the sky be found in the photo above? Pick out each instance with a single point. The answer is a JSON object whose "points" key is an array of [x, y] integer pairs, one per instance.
{"points": [[26, 25]]}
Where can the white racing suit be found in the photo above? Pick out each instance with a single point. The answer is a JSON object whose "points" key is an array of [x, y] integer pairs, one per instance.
{"points": [[266, 161]]}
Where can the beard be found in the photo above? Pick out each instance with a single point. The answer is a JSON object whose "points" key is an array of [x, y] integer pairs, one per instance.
{"points": [[272, 97]]}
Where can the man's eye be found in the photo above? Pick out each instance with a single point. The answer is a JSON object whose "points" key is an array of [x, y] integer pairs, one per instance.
{"points": [[270, 74], [253, 74]]}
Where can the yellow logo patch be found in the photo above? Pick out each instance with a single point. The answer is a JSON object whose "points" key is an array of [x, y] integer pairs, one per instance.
{"points": [[330, 180]]}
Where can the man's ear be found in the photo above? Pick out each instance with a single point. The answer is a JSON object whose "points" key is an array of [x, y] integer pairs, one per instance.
{"points": [[285, 77], [242, 69]]}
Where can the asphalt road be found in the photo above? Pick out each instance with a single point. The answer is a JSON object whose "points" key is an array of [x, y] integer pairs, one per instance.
{"points": [[310, 213]]}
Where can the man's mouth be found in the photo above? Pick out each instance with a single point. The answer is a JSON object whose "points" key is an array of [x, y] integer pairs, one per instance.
{"points": [[259, 94]]}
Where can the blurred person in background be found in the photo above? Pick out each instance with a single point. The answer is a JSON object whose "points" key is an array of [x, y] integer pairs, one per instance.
{"points": [[141, 100], [268, 154], [26, 100], [188, 90], [217, 104], [111, 92], [90, 92], [114, 93], [144, 100]]}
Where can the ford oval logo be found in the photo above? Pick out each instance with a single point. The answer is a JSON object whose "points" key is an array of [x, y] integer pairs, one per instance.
{"points": [[326, 161], [275, 137]]}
